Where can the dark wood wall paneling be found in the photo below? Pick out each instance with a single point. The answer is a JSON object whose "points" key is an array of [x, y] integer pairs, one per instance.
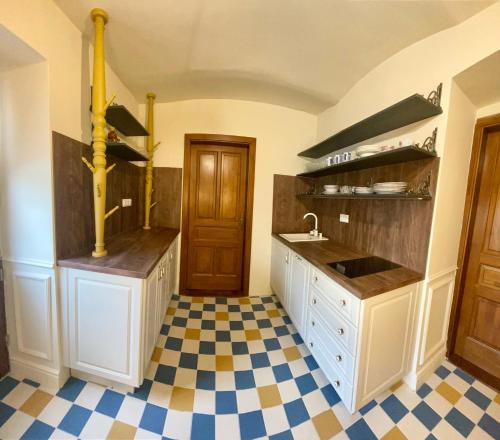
{"points": [[398, 230], [73, 197]]}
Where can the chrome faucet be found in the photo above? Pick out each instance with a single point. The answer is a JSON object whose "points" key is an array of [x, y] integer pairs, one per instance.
{"points": [[314, 232]]}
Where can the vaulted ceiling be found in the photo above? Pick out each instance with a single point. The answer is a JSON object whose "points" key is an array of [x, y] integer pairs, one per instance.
{"points": [[303, 54]]}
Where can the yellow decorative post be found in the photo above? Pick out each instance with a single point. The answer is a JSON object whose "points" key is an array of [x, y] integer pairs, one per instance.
{"points": [[150, 148], [99, 106]]}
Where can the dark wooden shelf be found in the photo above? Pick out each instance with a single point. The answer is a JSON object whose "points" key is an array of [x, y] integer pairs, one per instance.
{"points": [[366, 196], [412, 109], [124, 151], [399, 155], [120, 118]]}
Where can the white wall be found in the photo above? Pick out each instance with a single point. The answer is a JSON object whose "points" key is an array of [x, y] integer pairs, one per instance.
{"points": [[488, 110], [281, 133]]}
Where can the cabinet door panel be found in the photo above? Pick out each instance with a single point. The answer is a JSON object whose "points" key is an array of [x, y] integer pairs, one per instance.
{"points": [[150, 333], [299, 280], [279, 271]]}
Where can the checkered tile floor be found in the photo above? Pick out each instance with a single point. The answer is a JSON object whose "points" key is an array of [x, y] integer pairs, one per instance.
{"points": [[236, 368]]}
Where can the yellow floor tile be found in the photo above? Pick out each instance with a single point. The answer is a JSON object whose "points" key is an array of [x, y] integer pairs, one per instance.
{"points": [[192, 333], [292, 353], [269, 396], [197, 299], [224, 363], [182, 399], [121, 431], [326, 424], [273, 313], [396, 386], [394, 434], [36, 403], [253, 335], [155, 357], [221, 316], [497, 398], [170, 311], [244, 300], [448, 392]]}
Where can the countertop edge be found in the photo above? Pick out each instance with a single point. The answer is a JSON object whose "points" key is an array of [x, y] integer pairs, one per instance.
{"points": [[344, 283]]}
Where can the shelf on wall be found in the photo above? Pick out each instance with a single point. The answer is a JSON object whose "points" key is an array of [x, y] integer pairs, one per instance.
{"points": [[412, 109], [124, 151], [120, 118], [367, 196], [399, 155]]}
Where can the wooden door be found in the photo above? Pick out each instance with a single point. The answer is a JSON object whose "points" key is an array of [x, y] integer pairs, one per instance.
{"points": [[215, 239], [478, 326]]}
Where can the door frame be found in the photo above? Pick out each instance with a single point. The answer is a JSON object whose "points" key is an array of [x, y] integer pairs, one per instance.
{"points": [[483, 125], [223, 140]]}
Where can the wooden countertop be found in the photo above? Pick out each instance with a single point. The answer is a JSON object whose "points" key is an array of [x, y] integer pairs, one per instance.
{"points": [[131, 254], [319, 253]]}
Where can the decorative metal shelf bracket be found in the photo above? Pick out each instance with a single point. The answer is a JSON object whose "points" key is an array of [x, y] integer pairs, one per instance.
{"points": [[423, 188], [429, 144], [435, 96]]}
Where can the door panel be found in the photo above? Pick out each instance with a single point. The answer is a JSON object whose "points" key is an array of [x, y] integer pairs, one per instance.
{"points": [[217, 194], [478, 334]]}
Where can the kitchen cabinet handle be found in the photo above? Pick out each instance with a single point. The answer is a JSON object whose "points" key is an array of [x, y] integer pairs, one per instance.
{"points": [[342, 303], [336, 383], [298, 258], [286, 259], [338, 358], [311, 344], [314, 301], [313, 323], [340, 331], [315, 279]]}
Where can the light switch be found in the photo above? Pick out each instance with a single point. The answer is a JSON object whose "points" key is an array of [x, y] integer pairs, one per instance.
{"points": [[344, 218]]}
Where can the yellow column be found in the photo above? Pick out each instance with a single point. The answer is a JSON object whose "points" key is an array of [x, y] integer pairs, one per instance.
{"points": [[149, 166], [100, 18]]}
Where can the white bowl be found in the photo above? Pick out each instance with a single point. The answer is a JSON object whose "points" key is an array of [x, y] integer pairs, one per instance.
{"points": [[331, 187]]}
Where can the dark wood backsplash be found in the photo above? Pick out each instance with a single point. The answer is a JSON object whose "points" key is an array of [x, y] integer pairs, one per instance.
{"points": [[167, 184], [398, 230], [73, 197]]}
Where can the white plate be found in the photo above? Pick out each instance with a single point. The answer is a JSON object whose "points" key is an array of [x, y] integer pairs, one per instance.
{"points": [[389, 192]]}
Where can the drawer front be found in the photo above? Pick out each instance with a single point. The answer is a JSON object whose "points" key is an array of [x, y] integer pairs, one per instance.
{"points": [[339, 327], [329, 369], [337, 353], [346, 303]]}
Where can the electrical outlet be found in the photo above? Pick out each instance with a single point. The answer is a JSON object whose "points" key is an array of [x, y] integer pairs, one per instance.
{"points": [[126, 202], [344, 218]]}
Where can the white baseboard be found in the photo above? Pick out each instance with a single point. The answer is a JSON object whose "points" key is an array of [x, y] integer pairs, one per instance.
{"points": [[416, 379], [49, 379], [101, 381]]}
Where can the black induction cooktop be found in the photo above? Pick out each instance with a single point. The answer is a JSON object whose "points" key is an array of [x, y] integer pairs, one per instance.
{"points": [[362, 266]]}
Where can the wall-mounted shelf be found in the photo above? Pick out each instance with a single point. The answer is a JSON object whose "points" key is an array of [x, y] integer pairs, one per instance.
{"points": [[412, 109], [367, 196], [399, 155], [120, 118], [124, 151]]}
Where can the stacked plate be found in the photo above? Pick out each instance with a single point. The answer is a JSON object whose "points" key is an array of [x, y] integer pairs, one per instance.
{"points": [[363, 190], [367, 150], [330, 189], [390, 187]]}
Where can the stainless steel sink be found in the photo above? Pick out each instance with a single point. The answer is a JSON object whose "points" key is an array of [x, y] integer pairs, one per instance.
{"points": [[303, 236]]}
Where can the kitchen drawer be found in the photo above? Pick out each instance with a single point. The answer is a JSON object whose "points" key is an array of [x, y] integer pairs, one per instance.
{"points": [[330, 369], [347, 304], [342, 329], [337, 353]]}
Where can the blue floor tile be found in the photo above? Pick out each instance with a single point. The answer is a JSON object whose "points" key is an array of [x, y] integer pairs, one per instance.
{"points": [[264, 323], [297, 339], [465, 376], [490, 425], [223, 336], [258, 308], [442, 372], [71, 389], [330, 394], [306, 383], [195, 314], [164, 329], [75, 419], [427, 416], [260, 360], [207, 347], [285, 435], [208, 324], [179, 322], [239, 347], [360, 431], [394, 408], [272, 344], [236, 325], [174, 344], [424, 390], [153, 418], [252, 425], [281, 330], [7, 384], [282, 372], [233, 308], [31, 382], [165, 374], [189, 360], [478, 398], [110, 403], [5, 412], [38, 431], [460, 422], [311, 363], [209, 307], [143, 391], [225, 402], [244, 379], [205, 380], [203, 427], [368, 407], [296, 412]]}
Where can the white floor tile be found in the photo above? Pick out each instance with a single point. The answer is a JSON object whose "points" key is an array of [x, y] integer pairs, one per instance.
{"points": [[227, 427], [19, 395], [178, 425], [16, 426], [90, 395], [97, 426], [55, 411], [131, 410]]}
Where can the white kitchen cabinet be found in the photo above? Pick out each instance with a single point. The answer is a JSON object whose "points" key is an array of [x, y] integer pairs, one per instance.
{"points": [[362, 346], [280, 257], [112, 322], [298, 291]]}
